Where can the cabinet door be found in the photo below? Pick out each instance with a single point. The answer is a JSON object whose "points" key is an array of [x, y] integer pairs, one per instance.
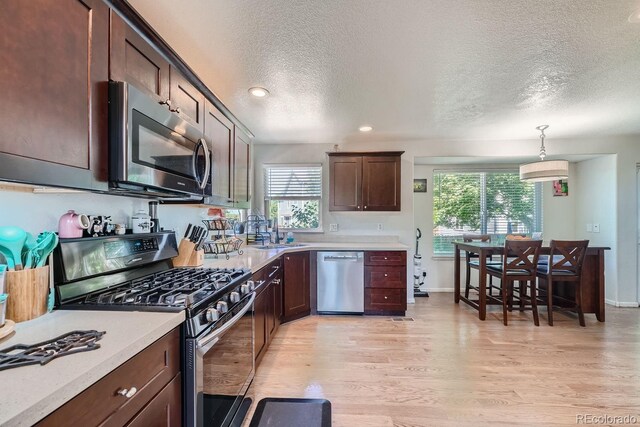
{"points": [[135, 61], [260, 322], [53, 84], [345, 182], [186, 100], [277, 304], [296, 285], [241, 170], [381, 183], [164, 410], [219, 134]]}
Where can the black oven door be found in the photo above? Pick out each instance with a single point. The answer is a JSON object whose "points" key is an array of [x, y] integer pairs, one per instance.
{"points": [[152, 147], [220, 368]]}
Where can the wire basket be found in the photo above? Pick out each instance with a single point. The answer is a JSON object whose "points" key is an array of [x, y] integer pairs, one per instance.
{"points": [[223, 247]]}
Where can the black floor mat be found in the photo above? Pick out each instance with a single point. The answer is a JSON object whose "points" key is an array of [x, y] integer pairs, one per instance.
{"points": [[282, 412]]}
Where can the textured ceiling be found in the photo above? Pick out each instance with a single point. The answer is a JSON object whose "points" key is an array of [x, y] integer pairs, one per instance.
{"points": [[414, 70]]}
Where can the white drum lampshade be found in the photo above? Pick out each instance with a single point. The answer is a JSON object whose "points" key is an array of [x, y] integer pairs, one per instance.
{"points": [[544, 170]]}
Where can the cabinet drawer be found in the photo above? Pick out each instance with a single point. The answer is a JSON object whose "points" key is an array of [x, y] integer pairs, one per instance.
{"points": [[164, 410], [149, 371], [385, 258], [384, 300], [385, 277]]}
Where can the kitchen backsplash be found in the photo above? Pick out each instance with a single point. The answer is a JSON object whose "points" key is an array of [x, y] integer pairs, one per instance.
{"points": [[36, 212]]}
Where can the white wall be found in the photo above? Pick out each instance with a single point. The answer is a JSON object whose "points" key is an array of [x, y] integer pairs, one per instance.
{"points": [[38, 212], [595, 188], [622, 260]]}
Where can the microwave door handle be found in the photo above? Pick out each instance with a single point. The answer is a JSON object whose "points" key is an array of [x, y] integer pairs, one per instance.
{"points": [[207, 163], [194, 162]]}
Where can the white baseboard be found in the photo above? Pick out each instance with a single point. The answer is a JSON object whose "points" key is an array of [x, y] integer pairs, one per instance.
{"points": [[623, 304], [439, 289]]}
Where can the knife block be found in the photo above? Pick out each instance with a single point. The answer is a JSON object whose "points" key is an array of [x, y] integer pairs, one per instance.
{"points": [[188, 256]]}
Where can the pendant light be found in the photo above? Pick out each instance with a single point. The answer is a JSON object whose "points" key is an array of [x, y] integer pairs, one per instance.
{"points": [[544, 170]]}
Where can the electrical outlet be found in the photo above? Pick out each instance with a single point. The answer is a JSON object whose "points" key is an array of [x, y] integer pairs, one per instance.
{"points": [[589, 228], [333, 227], [596, 228], [380, 227]]}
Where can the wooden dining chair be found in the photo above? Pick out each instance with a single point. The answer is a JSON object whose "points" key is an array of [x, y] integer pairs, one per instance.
{"points": [[564, 264], [472, 261], [519, 263]]}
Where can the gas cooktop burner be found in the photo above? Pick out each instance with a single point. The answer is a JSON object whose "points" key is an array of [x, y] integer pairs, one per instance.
{"points": [[176, 288], [44, 352]]}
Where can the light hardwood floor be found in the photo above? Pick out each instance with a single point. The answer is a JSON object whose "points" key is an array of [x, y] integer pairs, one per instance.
{"points": [[447, 368]]}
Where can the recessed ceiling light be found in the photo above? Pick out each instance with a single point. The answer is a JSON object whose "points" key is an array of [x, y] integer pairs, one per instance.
{"points": [[634, 18], [365, 128], [258, 92]]}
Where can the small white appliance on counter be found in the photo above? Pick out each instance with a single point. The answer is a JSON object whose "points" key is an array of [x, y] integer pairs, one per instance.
{"points": [[341, 282]]}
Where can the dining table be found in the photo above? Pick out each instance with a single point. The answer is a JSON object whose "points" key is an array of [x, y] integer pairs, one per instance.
{"points": [[592, 283]]}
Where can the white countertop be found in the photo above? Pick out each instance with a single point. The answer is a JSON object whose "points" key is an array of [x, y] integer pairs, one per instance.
{"points": [[30, 393], [254, 258]]}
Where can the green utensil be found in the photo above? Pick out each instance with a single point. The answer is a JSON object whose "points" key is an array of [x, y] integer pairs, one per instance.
{"points": [[28, 251], [48, 242], [8, 257], [12, 240]]}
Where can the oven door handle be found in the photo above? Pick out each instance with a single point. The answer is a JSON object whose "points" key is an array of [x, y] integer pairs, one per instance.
{"points": [[206, 343]]}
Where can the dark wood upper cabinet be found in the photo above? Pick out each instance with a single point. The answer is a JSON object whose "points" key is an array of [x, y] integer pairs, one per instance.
{"points": [[365, 181], [186, 100], [135, 61], [241, 170], [381, 183], [296, 299], [218, 132], [345, 183], [53, 80]]}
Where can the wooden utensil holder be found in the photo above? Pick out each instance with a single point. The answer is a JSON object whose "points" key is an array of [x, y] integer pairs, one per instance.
{"points": [[188, 256], [28, 293]]}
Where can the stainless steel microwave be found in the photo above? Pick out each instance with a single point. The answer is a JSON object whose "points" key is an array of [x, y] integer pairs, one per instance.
{"points": [[152, 150]]}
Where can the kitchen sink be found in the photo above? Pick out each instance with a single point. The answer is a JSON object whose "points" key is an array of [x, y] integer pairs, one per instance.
{"points": [[280, 246]]}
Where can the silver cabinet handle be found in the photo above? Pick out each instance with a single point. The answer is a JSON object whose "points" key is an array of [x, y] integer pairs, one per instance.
{"points": [[175, 110], [365, 207], [358, 206], [386, 275], [166, 102], [128, 393], [386, 258], [385, 298]]}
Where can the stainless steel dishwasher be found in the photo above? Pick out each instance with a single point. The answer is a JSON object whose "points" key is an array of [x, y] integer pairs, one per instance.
{"points": [[341, 282]]}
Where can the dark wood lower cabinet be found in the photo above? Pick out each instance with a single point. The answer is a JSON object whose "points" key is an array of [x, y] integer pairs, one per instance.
{"points": [[164, 410], [260, 335], [296, 286], [150, 372], [267, 306], [385, 282]]}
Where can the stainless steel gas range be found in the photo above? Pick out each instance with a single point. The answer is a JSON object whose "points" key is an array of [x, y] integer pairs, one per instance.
{"points": [[134, 272]]}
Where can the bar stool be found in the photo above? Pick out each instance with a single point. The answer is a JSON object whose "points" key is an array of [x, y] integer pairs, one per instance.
{"points": [[564, 264], [519, 263], [473, 262]]}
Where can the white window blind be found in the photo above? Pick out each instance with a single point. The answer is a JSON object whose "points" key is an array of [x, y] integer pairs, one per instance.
{"points": [[484, 202], [292, 182]]}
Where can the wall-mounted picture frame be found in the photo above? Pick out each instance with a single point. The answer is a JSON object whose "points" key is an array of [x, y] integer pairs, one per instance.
{"points": [[420, 185], [560, 188]]}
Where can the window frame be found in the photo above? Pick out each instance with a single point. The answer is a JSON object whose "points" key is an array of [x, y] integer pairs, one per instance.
{"points": [[319, 199], [538, 201]]}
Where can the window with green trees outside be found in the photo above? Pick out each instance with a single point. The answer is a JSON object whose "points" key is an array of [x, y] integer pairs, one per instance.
{"points": [[483, 202], [293, 195]]}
